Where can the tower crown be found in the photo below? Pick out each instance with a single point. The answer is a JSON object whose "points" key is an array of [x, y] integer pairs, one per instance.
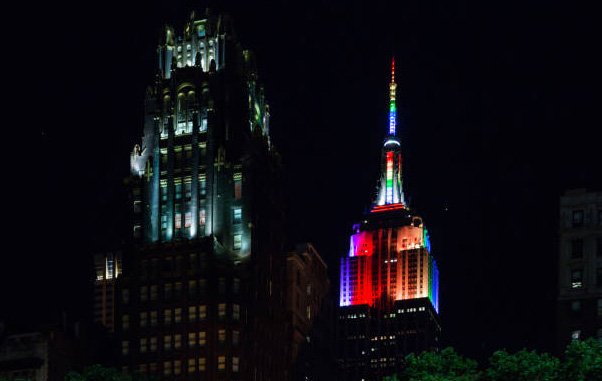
{"points": [[390, 192]]}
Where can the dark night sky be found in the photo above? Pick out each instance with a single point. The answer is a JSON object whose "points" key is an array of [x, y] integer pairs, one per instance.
{"points": [[498, 115]]}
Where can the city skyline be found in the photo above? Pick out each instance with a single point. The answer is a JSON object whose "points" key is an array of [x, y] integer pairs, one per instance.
{"points": [[476, 109]]}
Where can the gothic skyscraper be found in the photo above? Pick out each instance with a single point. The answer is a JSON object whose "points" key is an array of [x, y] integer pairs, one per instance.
{"points": [[200, 295], [389, 280]]}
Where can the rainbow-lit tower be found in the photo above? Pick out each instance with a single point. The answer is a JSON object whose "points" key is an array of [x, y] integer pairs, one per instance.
{"points": [[389, 287]]}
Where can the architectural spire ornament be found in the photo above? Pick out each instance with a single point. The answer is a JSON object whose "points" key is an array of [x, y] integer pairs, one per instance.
{"points": [[390, 192]]}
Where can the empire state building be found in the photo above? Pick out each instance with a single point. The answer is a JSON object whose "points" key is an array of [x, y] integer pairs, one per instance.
{"points": [[389, 289]]}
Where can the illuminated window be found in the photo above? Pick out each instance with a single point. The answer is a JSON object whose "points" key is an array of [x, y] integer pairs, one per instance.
{"points": [[125, 322], [179, 187], [167, 368], [202, 217], [177, 367], [237, 215], [576, 334], [143, 319], [191, 365], [178, 315], [221, 362], [221, 310], [202, 338], [237, 186], [203, 126], [202, 311], [577, 218], [153, 344], [167, 317], [235, 364], [187, 219], [192, 339], [576, 279], [235, 311], [177, 341], [153, 318], [235, 337], [125, 347], [192, 316], [202, 364], [237, 241], [167, 342], [308, 312], [143, 293], [178, 220], [143, 345], [202, 185], [221, 336], [577, 248]]}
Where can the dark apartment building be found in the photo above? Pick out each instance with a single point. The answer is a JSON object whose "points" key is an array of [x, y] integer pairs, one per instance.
{"points": [[579, 308]]}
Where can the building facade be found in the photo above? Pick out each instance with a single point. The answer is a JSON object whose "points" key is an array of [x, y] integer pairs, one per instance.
{"points": [[309, 310], [389, 303], [200, 295], [107, 268], [579, 308]]}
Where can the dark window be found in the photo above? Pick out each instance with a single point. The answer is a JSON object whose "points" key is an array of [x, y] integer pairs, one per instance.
{"points": [[577, 248], [577, 218], [599, 217], [599, 247], [599, 277], [576, 305]]}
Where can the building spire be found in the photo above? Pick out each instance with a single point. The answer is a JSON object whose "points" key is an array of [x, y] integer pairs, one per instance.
{"points": [[390, 192], [392, 106]]}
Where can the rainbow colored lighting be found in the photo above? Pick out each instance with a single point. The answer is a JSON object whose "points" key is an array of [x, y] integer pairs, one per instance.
{"points": [[392, 107], [389, 177]]}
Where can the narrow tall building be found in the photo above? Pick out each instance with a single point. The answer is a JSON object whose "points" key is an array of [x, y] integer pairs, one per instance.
{"points": [[199, 292], [579, 308], [389, 280]]}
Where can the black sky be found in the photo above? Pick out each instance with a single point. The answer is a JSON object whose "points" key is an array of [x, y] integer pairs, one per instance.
{"points": [[498, 114]]}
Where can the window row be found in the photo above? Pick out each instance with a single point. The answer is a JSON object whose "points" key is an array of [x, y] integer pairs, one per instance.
{"points": [[193, 365], [174, 316], [174, 290]]}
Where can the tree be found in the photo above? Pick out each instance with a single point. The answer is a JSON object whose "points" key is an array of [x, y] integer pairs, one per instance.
{"points": [[522, 366], [582, 361], [446, 365], [99, 373]]}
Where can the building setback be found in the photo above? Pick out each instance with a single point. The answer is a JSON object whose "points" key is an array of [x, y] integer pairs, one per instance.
{"points": [[201, 293], [389, 288], [579, 308]]}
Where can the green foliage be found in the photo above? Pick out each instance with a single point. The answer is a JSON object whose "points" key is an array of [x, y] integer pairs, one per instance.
{"points": [[446, 365], [582, 361], [521, 366], [98, 373]]}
